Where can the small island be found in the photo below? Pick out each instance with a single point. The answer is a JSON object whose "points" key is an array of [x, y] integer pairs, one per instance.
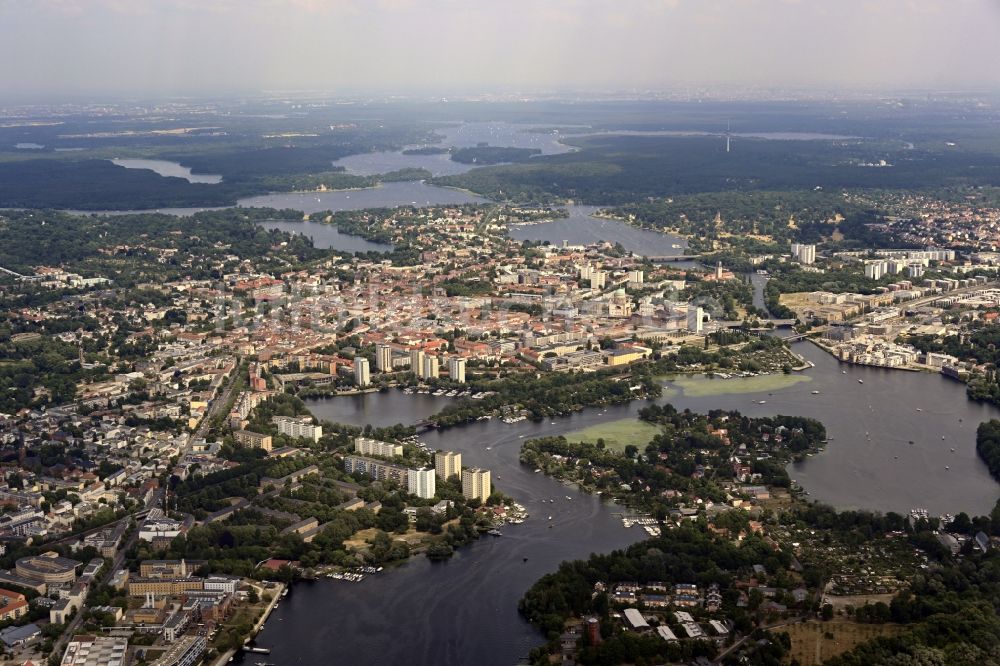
{"points": [[485, 154]]}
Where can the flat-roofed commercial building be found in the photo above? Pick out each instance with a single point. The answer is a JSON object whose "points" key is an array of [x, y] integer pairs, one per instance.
{"points": [[87, 650], [185, 652], [140, 587], [47, 568]]}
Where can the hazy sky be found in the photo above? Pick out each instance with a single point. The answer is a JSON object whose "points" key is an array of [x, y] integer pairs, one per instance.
{"points": [[217, 46]]}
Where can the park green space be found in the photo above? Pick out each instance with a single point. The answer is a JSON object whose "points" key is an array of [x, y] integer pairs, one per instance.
{"points": [[617, 434]]}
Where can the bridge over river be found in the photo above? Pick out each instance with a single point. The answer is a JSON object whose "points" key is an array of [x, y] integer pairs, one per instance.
{"points": [[667, 258]]}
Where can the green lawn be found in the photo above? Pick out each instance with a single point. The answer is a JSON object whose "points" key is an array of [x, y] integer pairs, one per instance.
{"points": [[617, 434], [701, 386]]}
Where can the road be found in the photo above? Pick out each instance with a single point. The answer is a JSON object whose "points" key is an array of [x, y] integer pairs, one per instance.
{"points": [[155, 500], [218, 404], [767, 627]]}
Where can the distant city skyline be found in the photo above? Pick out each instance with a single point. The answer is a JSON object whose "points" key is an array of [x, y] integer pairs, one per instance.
{"points": [[185, 47]]}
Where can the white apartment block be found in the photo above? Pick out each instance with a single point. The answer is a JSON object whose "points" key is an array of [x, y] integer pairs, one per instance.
{"points": [[430, 369], [456, 369], [362, 373], [298, 427], [421, 482], [367, 446]]}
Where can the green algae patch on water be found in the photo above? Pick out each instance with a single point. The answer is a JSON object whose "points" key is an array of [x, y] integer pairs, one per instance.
{"points": [[702, 386]]}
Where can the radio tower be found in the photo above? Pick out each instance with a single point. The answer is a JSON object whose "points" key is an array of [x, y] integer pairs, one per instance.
{"points": [[727, 136]]}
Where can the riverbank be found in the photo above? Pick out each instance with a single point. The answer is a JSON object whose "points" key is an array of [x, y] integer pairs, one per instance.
{"points": [[431, 599], [911, 367], [319, 190], [276, 590], [712, 462]]}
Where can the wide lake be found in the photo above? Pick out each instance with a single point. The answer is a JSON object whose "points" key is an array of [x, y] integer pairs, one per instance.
{"points": [[869, 463], [582, 228], [167, 169], [465, 610], [459, 135], [899, 440]]}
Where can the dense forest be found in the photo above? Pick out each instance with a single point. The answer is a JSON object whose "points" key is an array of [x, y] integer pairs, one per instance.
{"points": [[550, 394], [804, 216], [492, 154], [101, 185], [616, 169], [988, 446], [427, 150], [131, 243], [249, 164], [687, 442]]}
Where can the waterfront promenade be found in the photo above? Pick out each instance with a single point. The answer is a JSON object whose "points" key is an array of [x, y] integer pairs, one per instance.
{"points": [[277, 592]]}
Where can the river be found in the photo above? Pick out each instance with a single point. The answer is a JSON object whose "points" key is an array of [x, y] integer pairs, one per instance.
{"points": [[579, 228], [759, 283], [868, 464], [326, 236], [381, 409], [465, 610]]}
